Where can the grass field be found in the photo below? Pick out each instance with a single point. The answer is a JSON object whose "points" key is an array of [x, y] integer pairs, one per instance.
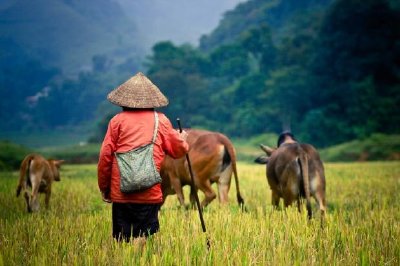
{"points": [[362, 224]]}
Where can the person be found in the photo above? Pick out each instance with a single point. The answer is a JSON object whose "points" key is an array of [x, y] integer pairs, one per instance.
{"points": [[136, 214]]}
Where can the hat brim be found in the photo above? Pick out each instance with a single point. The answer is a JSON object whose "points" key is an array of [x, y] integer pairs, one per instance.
{"points": [[138, 92]]}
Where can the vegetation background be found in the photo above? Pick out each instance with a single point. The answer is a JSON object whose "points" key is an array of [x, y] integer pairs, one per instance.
{"points": [[327, 70]]}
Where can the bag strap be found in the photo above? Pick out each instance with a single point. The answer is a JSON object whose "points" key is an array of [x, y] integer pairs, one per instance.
{"points": [[155, 127]]}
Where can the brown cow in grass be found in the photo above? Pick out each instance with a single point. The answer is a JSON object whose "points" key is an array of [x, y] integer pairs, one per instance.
{"points": [[294, 171], [213, 159], [37, 173]]}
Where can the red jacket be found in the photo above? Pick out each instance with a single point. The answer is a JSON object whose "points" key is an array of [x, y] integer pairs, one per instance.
{"points": [[126, 131]]}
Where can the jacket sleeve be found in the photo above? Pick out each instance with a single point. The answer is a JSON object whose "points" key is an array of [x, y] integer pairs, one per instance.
{"points": [[172, 143], [106, 159]]}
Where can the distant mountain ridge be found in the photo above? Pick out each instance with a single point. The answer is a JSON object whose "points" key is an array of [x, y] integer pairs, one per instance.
{"points": [[67, 33], [180, 21], [252, 13]]}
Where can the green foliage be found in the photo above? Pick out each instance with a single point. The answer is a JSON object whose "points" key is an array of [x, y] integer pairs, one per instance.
{"points": [[329, 75], [249, 148], [46, 76], [363, 203], [355, 64], [375, 147], [178, 71], [327, 70], [76, 154], [47, 102], [21, 86], [101, 128], [60, 137], [229, 61], [11, 155], [258, 41], [251, 14]]}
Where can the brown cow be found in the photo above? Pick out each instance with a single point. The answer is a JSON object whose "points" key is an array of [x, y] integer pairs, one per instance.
{"points": [[294, 171], [213, 159], [37, 173]]}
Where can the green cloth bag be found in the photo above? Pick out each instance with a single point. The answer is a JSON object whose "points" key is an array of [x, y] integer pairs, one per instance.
{"points": [[137, 168]]}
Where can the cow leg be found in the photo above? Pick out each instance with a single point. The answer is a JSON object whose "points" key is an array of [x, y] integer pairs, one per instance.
{"points": [[47, 198], [27, 196], [18, 191], [287, 200], [192, 196], [320, 198], [177, 186], [208, 192], [275, 199], [34, 199], [224, 183], [298, 203], [223, 190]]}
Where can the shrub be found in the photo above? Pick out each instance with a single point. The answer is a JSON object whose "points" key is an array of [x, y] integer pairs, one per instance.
{"points": [[11, 155]]}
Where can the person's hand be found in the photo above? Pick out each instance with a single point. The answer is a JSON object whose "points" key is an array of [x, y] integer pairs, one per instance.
{"points": [[183, 134], [106, 197]]}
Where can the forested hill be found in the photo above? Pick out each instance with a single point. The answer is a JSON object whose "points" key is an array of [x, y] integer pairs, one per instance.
{"points": [[332, 76], [251, 14], [65, 34], [327, 70], [59, 58]]}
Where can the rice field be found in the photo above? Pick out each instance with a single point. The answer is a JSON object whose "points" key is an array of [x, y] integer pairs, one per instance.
{"points": [[362, 224]]}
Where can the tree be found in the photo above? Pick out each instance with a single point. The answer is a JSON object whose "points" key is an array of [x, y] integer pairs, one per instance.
{"points": [[258, 41], [355, 68], [21, 87], [230, 62], [179, 72]]}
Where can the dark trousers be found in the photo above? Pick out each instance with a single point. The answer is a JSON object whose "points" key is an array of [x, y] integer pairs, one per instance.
{"points": [[134, 220]]}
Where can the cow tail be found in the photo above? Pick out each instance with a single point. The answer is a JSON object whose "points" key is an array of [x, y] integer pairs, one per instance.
{"points": [[24, 174], [231, 151], [303, 163]]}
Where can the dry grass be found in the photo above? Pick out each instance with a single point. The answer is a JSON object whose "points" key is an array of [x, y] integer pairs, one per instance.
{"points": [[362, 225]]}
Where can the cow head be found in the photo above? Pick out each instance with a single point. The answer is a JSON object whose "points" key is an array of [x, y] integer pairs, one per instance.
{"points": [[284, 137], [55, 167]]}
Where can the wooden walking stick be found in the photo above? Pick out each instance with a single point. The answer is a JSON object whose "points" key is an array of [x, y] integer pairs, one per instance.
{"points": [[193, 188]]}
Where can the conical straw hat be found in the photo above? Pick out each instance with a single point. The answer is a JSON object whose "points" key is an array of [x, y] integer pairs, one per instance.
{"points": [[138, 92]]}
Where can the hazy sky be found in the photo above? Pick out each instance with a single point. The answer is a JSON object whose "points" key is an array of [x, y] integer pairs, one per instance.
{"points": [[177, 20]]}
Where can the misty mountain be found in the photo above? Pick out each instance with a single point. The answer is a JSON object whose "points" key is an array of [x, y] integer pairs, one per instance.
{"points": [[180, 21], [66, 33], [61, 53]]}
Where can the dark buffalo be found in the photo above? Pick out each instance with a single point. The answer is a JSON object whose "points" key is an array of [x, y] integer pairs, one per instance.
{"points": [[294, 171]]}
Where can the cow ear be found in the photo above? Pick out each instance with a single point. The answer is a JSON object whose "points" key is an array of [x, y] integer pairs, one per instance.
{"points": [[267, 149], [262, 159]]}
